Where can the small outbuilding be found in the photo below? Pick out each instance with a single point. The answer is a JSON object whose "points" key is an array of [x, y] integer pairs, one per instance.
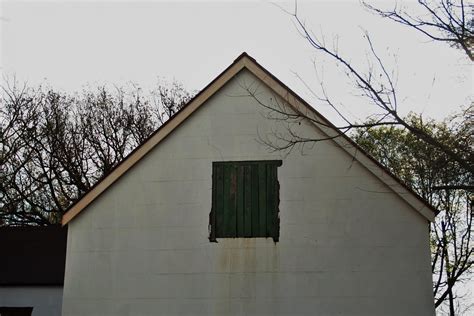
{"points": [[32, 261], [204, 219]]}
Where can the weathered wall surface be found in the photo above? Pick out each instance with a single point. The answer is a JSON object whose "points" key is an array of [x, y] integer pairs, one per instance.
{"points": [[45, 300], [348, 245]]}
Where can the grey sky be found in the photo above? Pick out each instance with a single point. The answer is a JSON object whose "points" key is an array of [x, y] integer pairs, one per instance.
{"points": [[71, 44]]}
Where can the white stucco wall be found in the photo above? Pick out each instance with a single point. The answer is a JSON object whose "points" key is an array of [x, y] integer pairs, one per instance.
{"points": [[348, 245], [45, 300]]}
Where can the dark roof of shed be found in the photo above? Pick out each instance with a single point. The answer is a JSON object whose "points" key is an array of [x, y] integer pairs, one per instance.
{"points": [[32, 255]]}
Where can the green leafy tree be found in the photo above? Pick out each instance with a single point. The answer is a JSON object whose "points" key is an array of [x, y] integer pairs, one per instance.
{"points": [[444, 183]]}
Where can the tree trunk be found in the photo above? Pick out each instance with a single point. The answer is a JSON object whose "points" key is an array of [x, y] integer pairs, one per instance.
{"points": [[451, 302]]}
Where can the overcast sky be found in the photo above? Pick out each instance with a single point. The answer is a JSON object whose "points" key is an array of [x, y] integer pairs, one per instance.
{"points": [[71, 44]]}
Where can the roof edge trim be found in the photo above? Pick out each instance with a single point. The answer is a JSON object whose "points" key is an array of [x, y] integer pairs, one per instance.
{"points": [[155, 138]]}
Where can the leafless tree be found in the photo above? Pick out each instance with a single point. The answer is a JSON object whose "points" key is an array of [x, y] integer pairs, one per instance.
{"points": [[375, 83], [440, 20], [443, 21], [166, 99], [55, 146]]}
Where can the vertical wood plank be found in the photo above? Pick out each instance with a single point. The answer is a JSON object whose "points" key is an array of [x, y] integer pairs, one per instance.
{"points": [[247, 201], [240, 200], [262, 200], [230, 187], [212, 216], [254, 200], [219, 206], [270, 200], [276, 212]]}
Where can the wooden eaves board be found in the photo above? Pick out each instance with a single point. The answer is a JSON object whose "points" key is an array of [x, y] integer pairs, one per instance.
{"points": [[280, 89]]}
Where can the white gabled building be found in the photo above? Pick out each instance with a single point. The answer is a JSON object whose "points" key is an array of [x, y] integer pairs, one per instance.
{"points": [[202, 219]]}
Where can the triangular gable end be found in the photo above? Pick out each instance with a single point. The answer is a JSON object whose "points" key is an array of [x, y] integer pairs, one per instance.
{"points": [[280, 89]]}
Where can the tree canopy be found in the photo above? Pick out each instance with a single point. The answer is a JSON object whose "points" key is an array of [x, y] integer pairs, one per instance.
{"points": [[54, 146], [444, 183]]}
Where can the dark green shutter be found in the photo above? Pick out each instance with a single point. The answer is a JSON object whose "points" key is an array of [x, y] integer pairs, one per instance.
{"points": [[245, 199]]}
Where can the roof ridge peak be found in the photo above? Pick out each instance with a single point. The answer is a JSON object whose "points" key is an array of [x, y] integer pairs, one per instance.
{"points": [[244, 54]]}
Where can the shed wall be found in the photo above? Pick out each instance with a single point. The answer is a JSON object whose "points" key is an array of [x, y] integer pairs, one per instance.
{"points": [[348, 245], [45, 300]]}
